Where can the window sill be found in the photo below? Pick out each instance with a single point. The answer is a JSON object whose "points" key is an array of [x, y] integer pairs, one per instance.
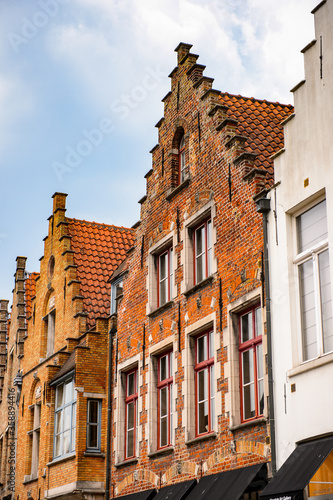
{"points": [[162, 451], [30, 479], [56, 461], [250, 423], [198, 286], [174, 191], [160, 309], [204, 437], [93, 454], [130, 461], [325, 359]]}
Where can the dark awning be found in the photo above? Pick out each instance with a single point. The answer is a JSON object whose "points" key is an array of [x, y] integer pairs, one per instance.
{"points": [[230, 485], [177, 491], [142, 495], [298, 470]]}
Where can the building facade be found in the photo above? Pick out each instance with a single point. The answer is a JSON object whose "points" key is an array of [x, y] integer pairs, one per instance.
{"points": [[300, 244], [189, 382], [57, 344]]}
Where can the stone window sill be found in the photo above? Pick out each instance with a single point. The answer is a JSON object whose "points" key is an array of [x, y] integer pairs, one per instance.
{"points": [[198, 286], [130, 461], [30, 479], [311, 365], [162, 451], [174, 191], [93, 454], [250, 423], [204, 437], [61, 459], [160, 309]]}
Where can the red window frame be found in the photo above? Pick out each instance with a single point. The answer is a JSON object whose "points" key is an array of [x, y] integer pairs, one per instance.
{"points": [[168, 278], [205, 253], [131, 399], [181, 160], [251, 369], [164, 385], [204, 375]]}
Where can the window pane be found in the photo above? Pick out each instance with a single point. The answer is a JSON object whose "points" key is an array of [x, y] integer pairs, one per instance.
{"points": [[92, 440], [171, 272], [203, 385], [130, 416], [164, 431], [58, 441], [163, 292], [209, 247], [211, 344], [200, 254], [66, 442], [312, 227], [60, 394], [163, 401], [212, 396], [248, 371], [130, 443], [58, 426], [260, 375], [93, 412], [203, 417], [308, 310], [258, 325], [163, 367], [163, 266], [69, 386], [326, 300], [249, 402], [131, 389], [67, 417], [202, 348], [246, 327]]}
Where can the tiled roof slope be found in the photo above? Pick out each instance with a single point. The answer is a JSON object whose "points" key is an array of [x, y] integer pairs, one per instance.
{"points": [[98, 251], [259, 121], [30, 292]]}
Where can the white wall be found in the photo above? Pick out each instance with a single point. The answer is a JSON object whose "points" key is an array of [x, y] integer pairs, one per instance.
{"points": [[308, 155]]}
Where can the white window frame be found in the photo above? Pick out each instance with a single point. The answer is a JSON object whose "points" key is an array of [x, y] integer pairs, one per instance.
{"points": [[60, 411], [119, 415], [207, 212], [299, 259], [166, 345], [232, 398], [152, 284], [188, 385]]}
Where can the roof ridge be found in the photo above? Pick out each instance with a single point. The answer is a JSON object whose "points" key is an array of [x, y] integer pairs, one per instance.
{"points": [[240, 96], [83, 221]]}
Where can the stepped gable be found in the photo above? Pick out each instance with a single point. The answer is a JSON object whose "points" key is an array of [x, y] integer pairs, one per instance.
{"points": [[30, 292], [98, 251], [260, 122]]}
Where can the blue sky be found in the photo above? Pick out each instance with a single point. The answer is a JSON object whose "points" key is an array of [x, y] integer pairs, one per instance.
{"points": [[81, 83]]}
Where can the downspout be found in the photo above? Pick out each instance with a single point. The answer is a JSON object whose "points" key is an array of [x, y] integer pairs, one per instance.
{"points": [[263, 207], [108, 475]]}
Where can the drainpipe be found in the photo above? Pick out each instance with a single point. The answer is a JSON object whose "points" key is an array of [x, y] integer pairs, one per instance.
{"points": [[263, 207], [109, 419]]}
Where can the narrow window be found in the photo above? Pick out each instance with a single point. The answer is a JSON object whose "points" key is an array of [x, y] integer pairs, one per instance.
{"points": [[251, 364], [116, 293], [202, 251], [165, 409], [65, 419], [94, 424], [182, 161], [50, 320], [313, 266], [131, 412], [165, 276], [204, 383]]}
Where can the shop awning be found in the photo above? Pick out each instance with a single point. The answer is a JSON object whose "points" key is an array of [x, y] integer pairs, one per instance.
{"points": [[177, 491], [230, 485], [297, 471], [142, 495]]}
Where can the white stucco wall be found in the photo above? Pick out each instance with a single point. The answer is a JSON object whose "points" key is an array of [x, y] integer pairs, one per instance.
{"points": [[307, 411]]}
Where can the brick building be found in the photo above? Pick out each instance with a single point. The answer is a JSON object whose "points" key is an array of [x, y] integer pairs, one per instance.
{"points": [[54, 356], [189, 383]]}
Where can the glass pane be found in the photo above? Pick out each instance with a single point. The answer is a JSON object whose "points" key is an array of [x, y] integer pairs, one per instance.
{"points": [[249, 409], [212, 395], [163, 368], [93, 412], [131, 389], [308, 312], [69, 386], [200, 268], [209, 247], [164, 432], [211, 344], [163, 266], [67, 417], [130, 443], [260, 375], [202, 385], [171, 272], [326, 300], [58, 426], [258, 324], [60, 395], [248, 369], [73, 439], [74, 415], [246, 327], [201, 348], [130, 416], [163, 292], [58, 442], [92, 441], [66, 442], [312, 227], [163, 402], [203, 417]]}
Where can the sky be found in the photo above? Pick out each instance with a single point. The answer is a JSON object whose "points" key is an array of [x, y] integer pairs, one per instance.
{"points": [[81, 83]]}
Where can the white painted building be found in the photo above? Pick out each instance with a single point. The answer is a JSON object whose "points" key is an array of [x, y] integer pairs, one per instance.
{"points": [[300, 247]]}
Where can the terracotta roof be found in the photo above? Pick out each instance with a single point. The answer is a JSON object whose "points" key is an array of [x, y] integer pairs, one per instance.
{"points": [[259, 121], [30, 291], [98, 251]]}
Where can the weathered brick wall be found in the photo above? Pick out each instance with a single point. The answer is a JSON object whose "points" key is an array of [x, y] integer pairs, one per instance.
{"points": [[226, 170]]}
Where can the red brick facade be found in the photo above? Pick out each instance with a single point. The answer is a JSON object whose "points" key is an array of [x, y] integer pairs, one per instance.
{"points": [[228, 143]]}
